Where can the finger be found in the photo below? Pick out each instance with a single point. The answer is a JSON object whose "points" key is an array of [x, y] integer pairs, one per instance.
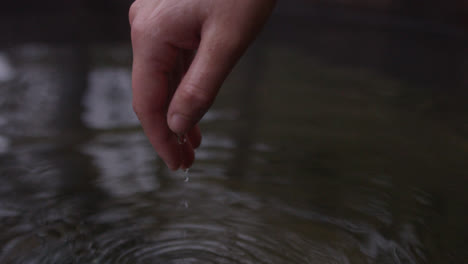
{"points": [[197, 91], [133, 10], [194, 136], [150, 97], [162, 139]]}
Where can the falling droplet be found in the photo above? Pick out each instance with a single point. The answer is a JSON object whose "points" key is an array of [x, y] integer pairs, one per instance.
{"points": [[187, 178]]}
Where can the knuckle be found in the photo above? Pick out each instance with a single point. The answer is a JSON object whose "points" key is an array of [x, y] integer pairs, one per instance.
{"points": [[138, 29], [144, 29], [230, 47], [133, 11]]}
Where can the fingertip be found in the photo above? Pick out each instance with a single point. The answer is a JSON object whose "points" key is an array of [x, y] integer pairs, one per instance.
{"points": [[172, 163], [172, 167], [179, 124], [195, 137]]}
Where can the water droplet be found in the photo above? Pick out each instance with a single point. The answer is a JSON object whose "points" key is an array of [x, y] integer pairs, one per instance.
{"points": [[187, 178], [181, 139]]}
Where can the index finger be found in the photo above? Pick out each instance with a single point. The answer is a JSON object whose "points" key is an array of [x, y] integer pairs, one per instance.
{"points": [[150, 86]]}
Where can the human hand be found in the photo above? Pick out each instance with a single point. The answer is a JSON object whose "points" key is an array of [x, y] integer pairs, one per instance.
{"points": [[182, 52]]}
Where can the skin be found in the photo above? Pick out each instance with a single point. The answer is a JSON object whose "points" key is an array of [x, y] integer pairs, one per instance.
{"points": [[183, 50]]}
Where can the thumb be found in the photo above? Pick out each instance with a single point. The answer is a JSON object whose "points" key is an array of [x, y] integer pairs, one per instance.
{"points": [[215, 58]]}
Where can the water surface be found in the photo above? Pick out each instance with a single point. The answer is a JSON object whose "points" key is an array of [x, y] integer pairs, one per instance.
{"points": [[324, 146]]}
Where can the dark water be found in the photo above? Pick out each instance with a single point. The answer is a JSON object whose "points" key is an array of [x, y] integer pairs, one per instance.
{"points": [[326, 145]]}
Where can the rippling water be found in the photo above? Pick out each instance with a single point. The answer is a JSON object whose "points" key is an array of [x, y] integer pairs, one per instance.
{"points": [[304, 160]]}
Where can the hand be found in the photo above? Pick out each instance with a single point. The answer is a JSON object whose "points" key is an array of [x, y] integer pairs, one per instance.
{"points": [[182, 52]]}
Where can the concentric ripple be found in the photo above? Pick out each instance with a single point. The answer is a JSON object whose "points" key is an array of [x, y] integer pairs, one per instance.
{"points": [[135, 230], [343, 166]]}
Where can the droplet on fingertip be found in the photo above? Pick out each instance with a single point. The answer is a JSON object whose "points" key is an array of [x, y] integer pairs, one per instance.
{"points": [[181, 139]]}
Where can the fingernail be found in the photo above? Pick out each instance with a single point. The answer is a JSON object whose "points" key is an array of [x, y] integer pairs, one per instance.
{"points": [[178, 123]]}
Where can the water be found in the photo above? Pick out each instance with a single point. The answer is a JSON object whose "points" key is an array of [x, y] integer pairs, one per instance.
{"points": [[181, 139], [333, 148], [187, 177]]}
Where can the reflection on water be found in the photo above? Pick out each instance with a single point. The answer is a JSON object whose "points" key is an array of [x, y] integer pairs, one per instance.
{"points": [[108, 99], [304, 159], [6, 72], [4, 144]]}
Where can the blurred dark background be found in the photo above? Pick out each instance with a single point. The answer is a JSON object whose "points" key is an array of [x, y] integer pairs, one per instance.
{"points": [[63, 21], [420, 42], [106, 20]]}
